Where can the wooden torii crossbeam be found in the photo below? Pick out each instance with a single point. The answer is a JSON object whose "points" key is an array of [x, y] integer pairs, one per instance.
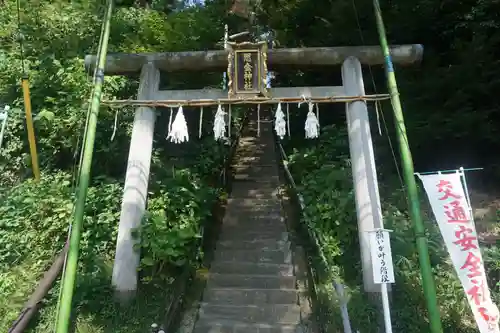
{"points": [[352, 93]]}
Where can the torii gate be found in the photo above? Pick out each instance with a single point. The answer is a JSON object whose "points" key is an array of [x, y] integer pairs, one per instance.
{"points": [[360, 143]]}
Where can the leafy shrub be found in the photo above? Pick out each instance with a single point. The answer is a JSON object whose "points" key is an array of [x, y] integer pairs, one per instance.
{"points": [[34, 221], [171, 230]]}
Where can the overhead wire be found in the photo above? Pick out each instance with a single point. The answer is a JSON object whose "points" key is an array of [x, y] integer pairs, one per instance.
{"points": [[378, 104]]}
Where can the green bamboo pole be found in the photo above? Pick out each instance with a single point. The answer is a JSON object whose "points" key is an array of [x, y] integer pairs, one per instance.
{"points": [[64, 312], [411, 185]]}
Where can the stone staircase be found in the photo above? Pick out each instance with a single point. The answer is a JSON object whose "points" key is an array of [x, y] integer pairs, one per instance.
{"points": [[251, 285]]}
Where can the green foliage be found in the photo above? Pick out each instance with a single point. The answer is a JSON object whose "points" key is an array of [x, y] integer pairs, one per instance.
{"points": [[35, 218], [34, 221], [173, 227]]}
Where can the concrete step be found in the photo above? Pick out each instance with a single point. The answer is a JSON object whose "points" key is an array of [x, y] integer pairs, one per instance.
{"points": [[255, 148], [231, 233], [236, 206], [263, 180], [252, 202], [236, 327], [256, 152], [261, 223], [255, 220], [254, 256], [274, 179], [257, 213], [265, 314], [250, 296], [260, 212], [255, 160], [216, 280], [244, 225], [243, 189], [261, 184], [264, 244], [247, 163], [249, 269], [256, 169]]}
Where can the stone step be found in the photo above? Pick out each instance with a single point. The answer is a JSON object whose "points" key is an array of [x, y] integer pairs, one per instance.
{"points": [[264, 181], [250, 296], [256, 177], [253, 190], [254, 256], [249, 164], [255, 160], [264, 169], [243, 164], [236, 327], [251, 202], [268, 244], [238, 205], [249, 269], [216, 280], [258, 219], [239, 214], [242, 223], [252, 228], [256, 148], [231, 233], [252, 314], [272, 208], [262, 185], [255, 157]]}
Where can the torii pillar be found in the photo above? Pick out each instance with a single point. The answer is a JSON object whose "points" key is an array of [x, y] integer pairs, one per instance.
{"points": [[135, 191], [364, 171]]}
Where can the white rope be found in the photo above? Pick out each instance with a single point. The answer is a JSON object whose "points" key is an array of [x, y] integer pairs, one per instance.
{"points": [[378, 117], [317, 111], [312, 125], [280, 123], [179, 131], [170, 119], [258, 119], [317, 116], [288, 117], [114, 126], [3, 121], [219, 124], [201, 123], [229, 125]]}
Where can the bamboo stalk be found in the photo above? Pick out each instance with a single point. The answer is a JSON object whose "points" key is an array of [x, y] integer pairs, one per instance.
{"points": [[428, 284], [63, 319]]}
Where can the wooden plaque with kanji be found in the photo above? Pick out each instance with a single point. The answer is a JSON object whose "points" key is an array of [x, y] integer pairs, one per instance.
{"points": [[247, 70]]}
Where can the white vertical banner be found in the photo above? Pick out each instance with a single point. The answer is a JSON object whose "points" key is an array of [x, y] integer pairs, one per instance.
{"points": [[453, 214], [380, 246], [383, 270]]}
